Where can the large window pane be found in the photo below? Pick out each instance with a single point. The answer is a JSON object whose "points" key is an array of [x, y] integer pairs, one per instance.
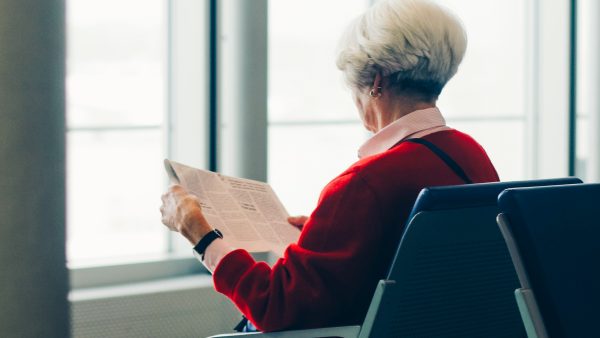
{"points": [[115, 180], [504, 143], [115, 62], [307, 157], [304, 83], [115, 141], [305, 90], [491, 80]]}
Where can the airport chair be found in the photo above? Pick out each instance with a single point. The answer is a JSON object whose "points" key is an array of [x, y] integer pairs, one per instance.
{"points": [[553, 236], [451, 276]]}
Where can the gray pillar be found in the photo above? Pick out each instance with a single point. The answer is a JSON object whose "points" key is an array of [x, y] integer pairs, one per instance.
{"points": [[33, 275], [243, 87]]}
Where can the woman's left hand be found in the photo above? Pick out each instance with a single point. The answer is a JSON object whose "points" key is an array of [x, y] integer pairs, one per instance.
{"points": [[182, 212], [298, 221]]}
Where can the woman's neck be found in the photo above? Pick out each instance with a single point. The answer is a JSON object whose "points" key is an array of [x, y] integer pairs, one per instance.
{"points": [[389, 111]]}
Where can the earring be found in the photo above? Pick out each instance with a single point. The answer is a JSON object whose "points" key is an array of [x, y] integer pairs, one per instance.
{"points": [[373, 94]]}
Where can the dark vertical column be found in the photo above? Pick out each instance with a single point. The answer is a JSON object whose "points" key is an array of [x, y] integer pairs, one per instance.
{"points": [[213, 70], [573, 89], [33, 275]]}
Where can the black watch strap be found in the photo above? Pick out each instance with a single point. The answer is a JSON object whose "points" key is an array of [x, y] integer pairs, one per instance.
{"points": [[206, 240]]}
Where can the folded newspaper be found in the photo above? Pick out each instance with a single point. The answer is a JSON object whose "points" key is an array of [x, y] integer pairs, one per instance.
{"points": [[247, 212]]}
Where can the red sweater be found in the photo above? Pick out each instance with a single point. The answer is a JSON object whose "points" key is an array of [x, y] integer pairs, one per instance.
{"points": [[347, 245]]}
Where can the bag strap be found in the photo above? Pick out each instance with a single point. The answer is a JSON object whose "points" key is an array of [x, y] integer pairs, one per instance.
{"points": [[443, 156]]}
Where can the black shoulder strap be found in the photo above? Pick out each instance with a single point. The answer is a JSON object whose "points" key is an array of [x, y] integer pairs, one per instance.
{"points": [[443, 156]]}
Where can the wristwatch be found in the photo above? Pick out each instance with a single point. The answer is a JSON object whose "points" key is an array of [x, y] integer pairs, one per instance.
{"points": [[205, 242]]}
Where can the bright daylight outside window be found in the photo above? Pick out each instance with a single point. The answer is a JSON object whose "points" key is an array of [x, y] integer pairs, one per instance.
{"points": [[314, 129], [115, 140], [487, 97]]}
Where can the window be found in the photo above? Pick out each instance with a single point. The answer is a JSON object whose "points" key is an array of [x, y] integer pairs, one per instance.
{"points": [[137, 92], [116, 100], [487, 98], [314, 129]]}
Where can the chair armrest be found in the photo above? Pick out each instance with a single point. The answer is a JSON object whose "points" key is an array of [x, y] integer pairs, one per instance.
{"points": [[340, 331], [530, 314]]}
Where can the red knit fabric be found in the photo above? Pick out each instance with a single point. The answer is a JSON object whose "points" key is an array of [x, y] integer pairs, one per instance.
{"points": [[346, 247]]}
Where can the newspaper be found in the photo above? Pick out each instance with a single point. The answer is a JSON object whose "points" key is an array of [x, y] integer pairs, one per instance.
{"points": [[247, 212]]}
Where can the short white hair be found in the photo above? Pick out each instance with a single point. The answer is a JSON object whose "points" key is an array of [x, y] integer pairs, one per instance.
{"points": [[417, 43]]}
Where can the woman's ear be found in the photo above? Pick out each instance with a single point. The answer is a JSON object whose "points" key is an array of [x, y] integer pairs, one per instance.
{"points": [[377, 86]]}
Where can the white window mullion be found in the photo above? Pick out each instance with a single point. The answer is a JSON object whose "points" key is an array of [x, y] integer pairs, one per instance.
{"points": [[187, 112], [589, 103], [188, 82], [550, 121]]}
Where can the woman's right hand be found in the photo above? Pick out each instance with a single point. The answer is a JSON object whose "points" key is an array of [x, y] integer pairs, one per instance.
{"points": [[297, 221], [182, 212]]}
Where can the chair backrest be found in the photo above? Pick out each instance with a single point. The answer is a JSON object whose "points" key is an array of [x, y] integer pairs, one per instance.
{"points": [[452, 275], [554, 238], [475, 195]]}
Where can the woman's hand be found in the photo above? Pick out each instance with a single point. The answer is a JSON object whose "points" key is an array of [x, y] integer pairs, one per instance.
{"points": [[297, 221], [182, 212]]}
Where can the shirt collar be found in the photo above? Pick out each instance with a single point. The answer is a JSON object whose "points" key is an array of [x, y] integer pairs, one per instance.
{"points": [[407, 125]]}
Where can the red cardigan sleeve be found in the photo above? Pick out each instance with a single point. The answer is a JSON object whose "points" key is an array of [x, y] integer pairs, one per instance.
{"points": [[326, 279]]}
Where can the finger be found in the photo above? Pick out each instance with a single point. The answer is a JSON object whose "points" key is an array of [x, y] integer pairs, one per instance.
{"points": [[176, 188], [165, 221], [297, 220], [168, 222]]}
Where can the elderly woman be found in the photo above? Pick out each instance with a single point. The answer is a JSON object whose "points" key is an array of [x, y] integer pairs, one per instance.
{"points": [[396, 58]]}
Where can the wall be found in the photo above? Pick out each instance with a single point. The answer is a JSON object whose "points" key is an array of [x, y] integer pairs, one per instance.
{"points": [[33, 282]]}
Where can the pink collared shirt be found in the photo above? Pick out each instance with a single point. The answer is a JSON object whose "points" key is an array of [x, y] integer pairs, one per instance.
{"points": [[416, 124]]}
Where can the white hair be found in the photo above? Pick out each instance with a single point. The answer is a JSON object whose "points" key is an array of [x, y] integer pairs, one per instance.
{"points": [[416, 42]]}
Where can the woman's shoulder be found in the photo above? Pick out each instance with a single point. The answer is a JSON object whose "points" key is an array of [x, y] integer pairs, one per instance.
{"points": [[386, 163], [407, 158], [454, 136]]}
